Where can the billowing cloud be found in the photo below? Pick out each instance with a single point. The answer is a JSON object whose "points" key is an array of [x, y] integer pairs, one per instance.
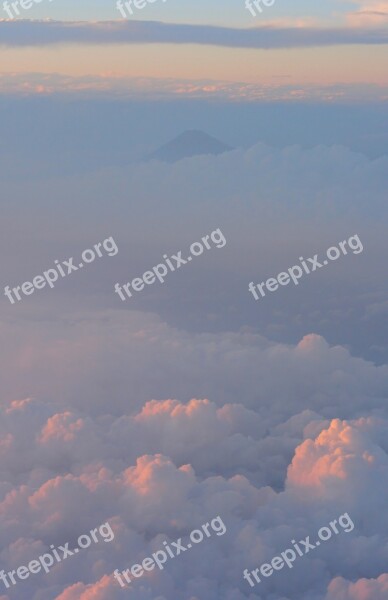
{"points": [[364, 589], [126, 358], [155, 496], [113, 414], [271, 457]]}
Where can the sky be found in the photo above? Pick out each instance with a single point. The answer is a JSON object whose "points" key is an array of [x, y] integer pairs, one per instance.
{"points": [[185, 11], [229, 44], [191, 400]]}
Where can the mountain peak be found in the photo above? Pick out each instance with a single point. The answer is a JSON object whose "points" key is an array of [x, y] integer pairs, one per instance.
{"points": [[190, 143]]}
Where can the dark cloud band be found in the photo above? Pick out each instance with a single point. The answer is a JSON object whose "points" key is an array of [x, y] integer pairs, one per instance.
{"points": [[42, 33]]}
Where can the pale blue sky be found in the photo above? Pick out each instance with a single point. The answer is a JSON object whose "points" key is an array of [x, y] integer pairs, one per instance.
{"points": [[231, 12]]}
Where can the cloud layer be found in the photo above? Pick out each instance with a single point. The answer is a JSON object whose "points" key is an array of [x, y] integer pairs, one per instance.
{"points": [[114, 414], [43, 33], [162, 470], [105, 86]]}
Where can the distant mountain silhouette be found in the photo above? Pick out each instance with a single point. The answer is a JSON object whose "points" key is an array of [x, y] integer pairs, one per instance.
{"points": [[187, 144]]}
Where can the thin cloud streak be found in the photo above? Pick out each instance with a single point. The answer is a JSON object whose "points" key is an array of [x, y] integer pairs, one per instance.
{"points": [[106, 86], [43, 33]]}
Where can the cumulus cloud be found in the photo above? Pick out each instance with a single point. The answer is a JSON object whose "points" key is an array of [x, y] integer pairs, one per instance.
{"points": [[115, 415], [364, 589], [273, 205], [155, 496], [126, 358], [294, 446]]}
